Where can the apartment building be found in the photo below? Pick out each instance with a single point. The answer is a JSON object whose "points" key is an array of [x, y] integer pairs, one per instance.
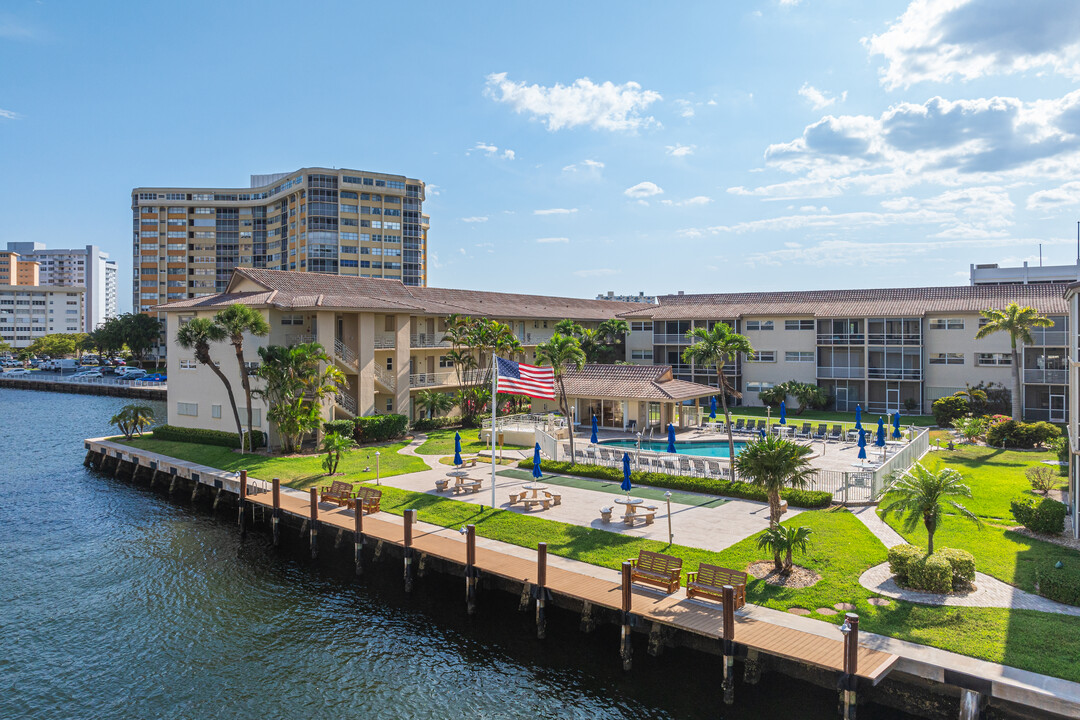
{"points": [[87, 267], [15, 270], [992, 274], [387, 337], [29, 312], [885, 349], [187, 241]]}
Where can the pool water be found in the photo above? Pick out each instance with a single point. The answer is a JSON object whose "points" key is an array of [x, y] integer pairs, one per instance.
{"points": [[706, 448]]}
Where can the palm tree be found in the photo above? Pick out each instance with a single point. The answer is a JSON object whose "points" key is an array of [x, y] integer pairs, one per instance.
{"points": [[197, 334], [772, 464], [434, 402], [133, 419], [921, 494], [1017, 322], [781, 540], [714, 348], [333, 445], [236, 320], [297, 380], [562, 353]]}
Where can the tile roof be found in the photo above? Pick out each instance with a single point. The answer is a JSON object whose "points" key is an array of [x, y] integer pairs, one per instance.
{"points": [[871, 302], [296, 290], [642, 382]]}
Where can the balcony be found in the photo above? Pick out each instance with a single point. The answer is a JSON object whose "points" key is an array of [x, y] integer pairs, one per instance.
{"points": [[445, 377], [1047, 377], [1050, 338], [894, 373], [662, 339], [841, 372], [384, 342], [426, 340], [839, 339], [893, 339]]}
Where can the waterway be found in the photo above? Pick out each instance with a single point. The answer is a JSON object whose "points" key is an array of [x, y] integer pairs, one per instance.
{"points": [[118, 603]]}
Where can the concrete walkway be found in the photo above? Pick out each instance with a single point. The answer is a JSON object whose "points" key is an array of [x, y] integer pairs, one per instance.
{"points": [[882, 531]]}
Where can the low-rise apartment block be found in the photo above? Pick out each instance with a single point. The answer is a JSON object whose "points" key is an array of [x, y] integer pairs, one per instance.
{"points": [[87, 267], [16, 270], [29, 312]]}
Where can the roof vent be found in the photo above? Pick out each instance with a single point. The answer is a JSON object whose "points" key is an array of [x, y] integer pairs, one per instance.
{"points": [[682, 292]]}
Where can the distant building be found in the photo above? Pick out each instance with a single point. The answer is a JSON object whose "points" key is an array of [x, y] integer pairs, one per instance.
{"points": [[29, 312], [639, 298], [15, 270], [991, 274], [88, 267]]}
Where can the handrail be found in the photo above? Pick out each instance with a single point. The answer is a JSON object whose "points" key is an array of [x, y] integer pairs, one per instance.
{"points": [[346, 401], [346, 354], [383, 375]]}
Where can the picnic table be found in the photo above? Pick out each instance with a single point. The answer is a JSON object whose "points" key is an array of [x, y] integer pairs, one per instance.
{"points": [[535, 488], [648, 512]]}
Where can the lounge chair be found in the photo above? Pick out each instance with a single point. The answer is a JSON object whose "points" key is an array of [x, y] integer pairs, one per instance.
{"points": [[714, 468], [804, 432], [739, 427], [669, 467], [762, 425], [837, 433], [605, 457], [684, 466], [822, 431], [699, 468]]}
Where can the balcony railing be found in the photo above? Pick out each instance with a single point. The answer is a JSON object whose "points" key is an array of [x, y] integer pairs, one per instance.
{"points": [[346, 355], [299, 339], [347, 401], [1052, 338], [385, 377], [833, 339], [445, 377], [1052, 377], [894, 338], [841, 372], [894, 373], [428, 340], [383, 342], [663, 339]]}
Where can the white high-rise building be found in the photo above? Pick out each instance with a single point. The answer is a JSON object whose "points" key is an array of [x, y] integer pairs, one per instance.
{"points": [[87, 267]]}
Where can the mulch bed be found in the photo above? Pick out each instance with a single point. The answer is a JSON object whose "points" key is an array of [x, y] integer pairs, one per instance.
{"points": [[1063, 540], [799, 577]]}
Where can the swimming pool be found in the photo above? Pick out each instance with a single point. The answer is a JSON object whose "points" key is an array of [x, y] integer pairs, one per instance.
{"points": [[707, 448]]}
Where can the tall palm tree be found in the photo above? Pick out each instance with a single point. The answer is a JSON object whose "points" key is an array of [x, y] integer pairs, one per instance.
{"points": [[714, 348], [196, 335], [297, 380], [562, 353], [1017, 322], [772, 464], [920, 494], [782, 540], [236, 320], [434, 402]]}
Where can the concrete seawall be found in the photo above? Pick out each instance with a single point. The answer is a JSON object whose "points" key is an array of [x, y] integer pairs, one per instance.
{"points": [[79, 388]]}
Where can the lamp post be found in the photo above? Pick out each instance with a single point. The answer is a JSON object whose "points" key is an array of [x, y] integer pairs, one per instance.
{"points": [[670, 537], [377, 468]]}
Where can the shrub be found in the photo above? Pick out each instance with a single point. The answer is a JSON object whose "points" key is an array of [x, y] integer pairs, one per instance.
{"points": [[971, 428], [341, 427], [206, 437], [435, 423], [949, 408], [375, 428], [1041, 515], [963, 566], [930, 573], [730, 488], [1014, 434], [1059, 583], [900, 559], [1060, 445], [1042, 479]]}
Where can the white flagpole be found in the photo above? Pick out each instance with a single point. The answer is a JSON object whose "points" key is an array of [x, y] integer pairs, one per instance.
{"points": [[494, 411]]}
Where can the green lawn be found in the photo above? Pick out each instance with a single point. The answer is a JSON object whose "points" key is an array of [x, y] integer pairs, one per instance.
{"points": [[994, 475], [295, 472], [441, 442]]}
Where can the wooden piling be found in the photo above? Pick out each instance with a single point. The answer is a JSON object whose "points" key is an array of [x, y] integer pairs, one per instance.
{"points": [[541, 589], [86, 460], [626, 649], [358, 538], [275, 518], [849, 680], [116, 468], [408, 518], [314, 531], [241, 515], [729, 644], [470, 569]]}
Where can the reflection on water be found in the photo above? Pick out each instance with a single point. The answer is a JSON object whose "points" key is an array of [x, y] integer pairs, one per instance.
{"points": [[119, 604]]}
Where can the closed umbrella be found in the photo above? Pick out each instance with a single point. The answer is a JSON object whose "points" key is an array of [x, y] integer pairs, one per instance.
{"points": [[712, 407], [862, 444], [783, 413], [670, 438], [880, 441], [536, 462], [626, 474], [762, 434], [457, 449], [593, 438], [858, 417], [896, 426]]}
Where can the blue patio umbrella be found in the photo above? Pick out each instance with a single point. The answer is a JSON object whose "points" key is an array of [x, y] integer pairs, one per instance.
{"points": [[593, 438], [858, 417], [712, 407], [457, 449], [762, 434], [670, 438], [880, 441], [626, 473], [783, 413], [536, 462], [862, 444], [896, 425]]}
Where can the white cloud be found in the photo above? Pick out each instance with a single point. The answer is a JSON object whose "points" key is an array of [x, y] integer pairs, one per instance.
{"points": [[643, 190], [680, 150], [598, 272], [9, 114], [589, 166], [508, 154], [819, 100], [686, 108], [689, 202], [789, 3], [475, 219], [551, 240], [491, 151], [1054, 198], [555, 211], [434, 260], [603, 106], [841, 253], [432, 190], [938, 40], [461, 250]]}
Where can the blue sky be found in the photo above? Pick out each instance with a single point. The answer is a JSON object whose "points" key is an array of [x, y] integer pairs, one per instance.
{"points": [[572, 148]]}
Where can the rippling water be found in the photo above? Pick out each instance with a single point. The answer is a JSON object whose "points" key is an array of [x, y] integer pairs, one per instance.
{"points": [[115, 603]]}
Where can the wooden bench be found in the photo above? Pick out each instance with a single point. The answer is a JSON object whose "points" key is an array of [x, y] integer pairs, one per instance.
{"points": [[339, 492], [657, 569], [367, 499], [709, 581], [605, 514]]}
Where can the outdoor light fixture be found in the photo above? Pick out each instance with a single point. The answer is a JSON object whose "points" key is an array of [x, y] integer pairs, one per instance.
{"points": [[462, 530], [846, 627]]}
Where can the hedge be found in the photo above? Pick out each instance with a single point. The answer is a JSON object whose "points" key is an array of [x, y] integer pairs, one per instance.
{"points": [[1059, 583], [963, 566], [1015, 434], [425, 425], [731, 488], [375, 428], [206, 437], [930, 573], [947, 569], [1041, 515], [341, 427], [900, 559]]}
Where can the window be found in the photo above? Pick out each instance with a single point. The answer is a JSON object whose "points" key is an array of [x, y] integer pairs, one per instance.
{"points": [[390, 363], [215, 411], [798, 324], [798, 356], [183, 408], [445, 362], [641, 354], [641, 326], [188, 364], [388, 326], [256, 416], [947, 324], [292, 319], [757, 386], [947, 359], [759, 325], [763, 356], [993, 359], [389, 404]]}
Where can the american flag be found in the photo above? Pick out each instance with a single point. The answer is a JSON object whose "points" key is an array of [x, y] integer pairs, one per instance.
{"points": [[521, 379]]}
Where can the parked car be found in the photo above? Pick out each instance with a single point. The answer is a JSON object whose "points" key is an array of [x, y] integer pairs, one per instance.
{"points": [[132, 374], [95, 373], [155, 377], [17, 371]]}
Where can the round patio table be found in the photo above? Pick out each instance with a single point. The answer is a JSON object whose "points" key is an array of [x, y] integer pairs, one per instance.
{"points": [[535, 487], [630, 503], [457, 473]]}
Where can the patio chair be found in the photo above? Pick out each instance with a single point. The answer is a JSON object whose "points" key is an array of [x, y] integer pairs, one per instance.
{"points": [[713, 468], [837, 433], [804, 432], [579, 456], [762, 425], [605, 457], [699, 468], [822, 431], [739, 426], [684, 466], [669, 466]]}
